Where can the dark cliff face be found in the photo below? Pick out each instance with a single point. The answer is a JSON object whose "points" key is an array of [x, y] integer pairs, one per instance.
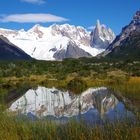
{"points": [[72, 51], [128, 42], [130, 47], [8, 51]]}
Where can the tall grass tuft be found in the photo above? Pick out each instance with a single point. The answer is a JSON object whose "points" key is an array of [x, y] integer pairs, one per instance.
{"points": [[12, 128]]}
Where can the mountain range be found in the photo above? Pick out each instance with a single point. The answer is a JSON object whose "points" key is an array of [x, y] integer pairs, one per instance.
{"points": [[57, 42]]}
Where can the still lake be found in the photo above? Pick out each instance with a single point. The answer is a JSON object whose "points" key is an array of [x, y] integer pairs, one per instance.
{"points": [[95, 105]]}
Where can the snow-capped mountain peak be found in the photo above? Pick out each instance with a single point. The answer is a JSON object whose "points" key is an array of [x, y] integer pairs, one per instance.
{"points": [[60, 41], [101, 36]]}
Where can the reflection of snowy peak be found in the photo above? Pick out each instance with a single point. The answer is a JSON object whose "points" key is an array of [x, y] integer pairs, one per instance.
{"points": [[57, 42], [50, 101]]}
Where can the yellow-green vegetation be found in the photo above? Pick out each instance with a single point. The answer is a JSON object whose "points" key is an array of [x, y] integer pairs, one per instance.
{"points": [[77, 86], [117, 80], [121, 76], [129, 89], [17, 129]]}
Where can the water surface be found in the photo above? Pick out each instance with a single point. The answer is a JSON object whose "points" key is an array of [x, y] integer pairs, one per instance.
{"points": [[93, 105]]}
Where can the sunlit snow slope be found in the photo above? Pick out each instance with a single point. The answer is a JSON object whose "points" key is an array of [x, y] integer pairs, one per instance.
{"points": [[57, 42]]}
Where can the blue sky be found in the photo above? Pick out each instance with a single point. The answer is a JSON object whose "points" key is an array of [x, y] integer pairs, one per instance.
{"points": [[17, 14]]}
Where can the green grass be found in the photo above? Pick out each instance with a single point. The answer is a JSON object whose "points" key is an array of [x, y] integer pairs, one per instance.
{"points": [[13, 129], [118, 76], [129, 89]]}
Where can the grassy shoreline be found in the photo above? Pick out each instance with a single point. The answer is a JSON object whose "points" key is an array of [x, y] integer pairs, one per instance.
{"points": [[129, 88], [13, 129]]}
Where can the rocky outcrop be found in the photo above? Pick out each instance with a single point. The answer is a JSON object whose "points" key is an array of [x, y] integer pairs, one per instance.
{"points": [[127, 43], [72, 51]]}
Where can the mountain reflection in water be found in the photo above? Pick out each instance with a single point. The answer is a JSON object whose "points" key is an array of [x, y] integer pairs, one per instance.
{"points": [[93, 105]]}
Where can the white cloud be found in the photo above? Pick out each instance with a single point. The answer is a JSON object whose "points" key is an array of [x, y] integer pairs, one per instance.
{"points": [[91, 27], [32, 18], [34, 1]]}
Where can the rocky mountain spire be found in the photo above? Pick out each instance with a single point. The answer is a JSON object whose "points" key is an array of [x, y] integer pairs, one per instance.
{"points": [[98, 26], [136, 18], [101, 36]]}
